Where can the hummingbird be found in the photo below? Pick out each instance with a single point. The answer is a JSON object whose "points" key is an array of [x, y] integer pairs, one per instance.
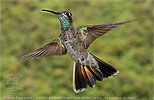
{"points": [[87, 67]]}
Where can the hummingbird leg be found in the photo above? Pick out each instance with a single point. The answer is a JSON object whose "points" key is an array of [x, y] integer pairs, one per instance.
{"points": [[82, 59]]}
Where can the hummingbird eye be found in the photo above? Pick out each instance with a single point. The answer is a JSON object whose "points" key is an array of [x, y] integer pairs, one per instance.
{"points": [[68, 14]]}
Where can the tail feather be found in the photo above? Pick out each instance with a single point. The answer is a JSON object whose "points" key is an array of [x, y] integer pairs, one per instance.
{"points": [[96, 73], [105, 68], [79, 83], [83, 75], [89, 77]]}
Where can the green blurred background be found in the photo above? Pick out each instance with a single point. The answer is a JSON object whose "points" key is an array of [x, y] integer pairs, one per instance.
{"points": [[24, 28]]}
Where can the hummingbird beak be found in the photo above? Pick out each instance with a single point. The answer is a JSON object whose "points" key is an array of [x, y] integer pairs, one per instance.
{"points": [[51, 11]]}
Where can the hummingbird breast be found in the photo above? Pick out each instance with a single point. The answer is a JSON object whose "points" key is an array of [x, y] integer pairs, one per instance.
{"points": [[75, 47], [73, 43]]}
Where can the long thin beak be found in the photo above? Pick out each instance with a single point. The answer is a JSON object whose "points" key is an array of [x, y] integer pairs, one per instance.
{"points": [[51, 11]]}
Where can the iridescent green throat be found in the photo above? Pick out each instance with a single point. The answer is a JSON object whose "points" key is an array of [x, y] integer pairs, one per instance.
{"points": [[64, 23]]}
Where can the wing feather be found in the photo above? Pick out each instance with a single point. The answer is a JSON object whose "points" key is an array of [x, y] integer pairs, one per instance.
{"points": [[92, 32], [53, 48]]}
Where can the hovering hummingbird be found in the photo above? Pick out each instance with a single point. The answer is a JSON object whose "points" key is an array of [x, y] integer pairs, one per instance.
{"points": [[87, 67]]}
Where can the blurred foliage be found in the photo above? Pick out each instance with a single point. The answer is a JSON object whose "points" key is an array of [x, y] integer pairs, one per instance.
{"points": [[24, 28]]}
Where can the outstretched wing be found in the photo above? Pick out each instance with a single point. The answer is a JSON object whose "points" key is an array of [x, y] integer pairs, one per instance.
{"points": [[90, 32], [53, 48]]}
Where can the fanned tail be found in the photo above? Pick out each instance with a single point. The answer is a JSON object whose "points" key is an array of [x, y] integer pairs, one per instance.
{"points": [[83, 75], [105, 68]]}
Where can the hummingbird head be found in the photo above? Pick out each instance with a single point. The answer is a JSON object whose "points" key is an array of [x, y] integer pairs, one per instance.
{"points": [[64, 17]]}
